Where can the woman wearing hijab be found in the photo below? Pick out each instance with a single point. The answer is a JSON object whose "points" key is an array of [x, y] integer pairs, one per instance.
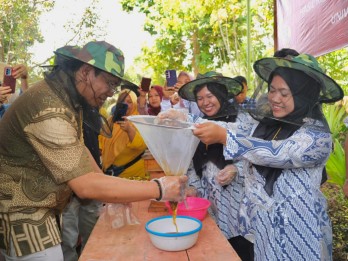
{"points": [[153, 106], [211, 176], [176, 102], [283, 156], [121, 154]]}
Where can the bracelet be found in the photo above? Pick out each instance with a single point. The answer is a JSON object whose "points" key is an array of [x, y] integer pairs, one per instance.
{"points": [[160, 189]]}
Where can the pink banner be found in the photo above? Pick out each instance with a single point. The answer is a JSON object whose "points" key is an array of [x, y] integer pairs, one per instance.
{"points": [[312, 26]]}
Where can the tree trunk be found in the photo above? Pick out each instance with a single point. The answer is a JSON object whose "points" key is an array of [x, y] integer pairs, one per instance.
{"points": [[196, 52]]}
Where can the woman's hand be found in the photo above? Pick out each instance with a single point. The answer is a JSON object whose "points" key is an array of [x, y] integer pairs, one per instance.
{"points": [[210, 133], [175, 98], [172, 114], [142, 98], [168, 92], [126, 125], [142, 93], [177, 86], [226, 175]]}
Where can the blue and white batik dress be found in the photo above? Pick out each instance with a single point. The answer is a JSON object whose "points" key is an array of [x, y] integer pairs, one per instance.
{"points": [[293, 223], [225, 201]]}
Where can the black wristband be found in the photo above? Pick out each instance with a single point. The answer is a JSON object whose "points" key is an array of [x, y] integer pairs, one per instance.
{"points": [[160, 189]]}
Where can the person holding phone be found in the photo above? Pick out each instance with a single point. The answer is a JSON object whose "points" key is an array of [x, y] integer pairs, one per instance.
{"points": [[121, 154], [7, 95], [44, 159], [173, 100], [210, 175], [145, 84], [152, 104]]}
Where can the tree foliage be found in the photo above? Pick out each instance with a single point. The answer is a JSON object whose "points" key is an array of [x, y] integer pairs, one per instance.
{"points": [[199, 36], [203, 35], [336, 66], [19, 28]]}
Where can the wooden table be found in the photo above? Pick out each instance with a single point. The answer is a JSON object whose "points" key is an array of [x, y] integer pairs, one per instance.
{"points": [[132, 243]]}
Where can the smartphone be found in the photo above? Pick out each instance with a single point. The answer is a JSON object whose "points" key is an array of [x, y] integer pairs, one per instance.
{"points": [[120, 111], [145, 84], [9, 80], [171, 78]]}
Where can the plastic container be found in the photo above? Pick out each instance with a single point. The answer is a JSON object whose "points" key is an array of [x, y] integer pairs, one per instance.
{"points": [[163, 235], [196, 207]]}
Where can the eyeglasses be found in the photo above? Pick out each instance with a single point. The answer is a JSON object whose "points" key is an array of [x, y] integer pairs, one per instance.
{"points": [[112, 84]]}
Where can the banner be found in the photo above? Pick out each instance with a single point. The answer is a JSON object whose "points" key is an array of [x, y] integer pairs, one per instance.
{"points": [[316, 27]]}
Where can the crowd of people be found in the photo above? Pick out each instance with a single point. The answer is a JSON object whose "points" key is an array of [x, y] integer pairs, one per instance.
{"points": [[259, 164]]}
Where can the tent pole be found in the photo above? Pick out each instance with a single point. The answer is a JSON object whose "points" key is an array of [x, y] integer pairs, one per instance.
{"points": [[248, 41], [275, 26]]}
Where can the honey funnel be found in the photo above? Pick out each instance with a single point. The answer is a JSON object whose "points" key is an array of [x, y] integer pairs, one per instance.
{"points": [[170, 142]]}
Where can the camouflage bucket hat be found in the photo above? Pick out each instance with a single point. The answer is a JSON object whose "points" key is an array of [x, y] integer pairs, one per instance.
{"points": [[330, 90], [233, 87], [101, 55], [66, 52]]}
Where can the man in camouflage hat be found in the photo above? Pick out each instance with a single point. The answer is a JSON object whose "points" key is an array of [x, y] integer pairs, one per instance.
{"points": [[43, 158]]}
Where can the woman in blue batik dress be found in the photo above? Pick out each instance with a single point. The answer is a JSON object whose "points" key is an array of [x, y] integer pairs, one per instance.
{"points": [[211, 176], [283, 210]]}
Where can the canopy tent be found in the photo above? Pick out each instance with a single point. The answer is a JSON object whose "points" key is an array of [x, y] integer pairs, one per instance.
{"points": [[315, 27]]}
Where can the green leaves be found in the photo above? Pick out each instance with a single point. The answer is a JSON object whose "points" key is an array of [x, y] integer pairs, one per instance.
{"points": [[200, 36], [335, 114], [19, 28], [335, 166]]}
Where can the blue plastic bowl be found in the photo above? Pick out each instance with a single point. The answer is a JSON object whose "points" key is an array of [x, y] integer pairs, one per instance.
{"points": [[163, 235]]}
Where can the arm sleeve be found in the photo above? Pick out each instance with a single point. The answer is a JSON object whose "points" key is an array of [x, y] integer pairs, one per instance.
{"points": [[55, 139], [138, 142], [165, 104], [142, 109], [305, 148]]}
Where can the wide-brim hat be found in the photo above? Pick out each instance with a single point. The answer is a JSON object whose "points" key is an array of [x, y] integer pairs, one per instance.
{"points": [[99, 54], [131, 86], [233, 87], [330, 90]]}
